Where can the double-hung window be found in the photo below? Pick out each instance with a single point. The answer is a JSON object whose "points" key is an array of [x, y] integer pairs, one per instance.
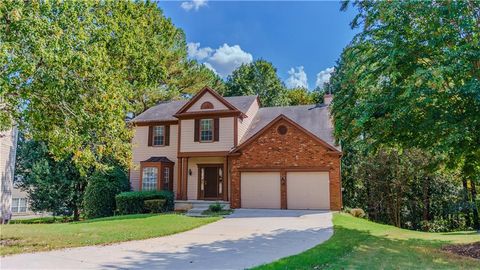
{"points": [[206, 130], [159, 135], [19, 205], [149, 178]]}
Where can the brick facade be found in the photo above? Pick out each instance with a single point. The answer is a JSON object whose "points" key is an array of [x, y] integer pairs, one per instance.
{"points": [[296, 150]]}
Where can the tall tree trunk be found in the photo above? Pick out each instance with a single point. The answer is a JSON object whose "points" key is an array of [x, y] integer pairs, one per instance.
{"points": [[76, 214], [426, 199], [476, 221], [466, 210]]}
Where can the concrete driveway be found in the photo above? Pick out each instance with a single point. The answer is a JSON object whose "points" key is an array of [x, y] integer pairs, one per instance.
{"points": [[246, 238]]}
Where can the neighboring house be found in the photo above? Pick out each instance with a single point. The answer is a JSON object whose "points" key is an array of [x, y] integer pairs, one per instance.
{"points": [[20, 202], [8, 146], [229, 149]]}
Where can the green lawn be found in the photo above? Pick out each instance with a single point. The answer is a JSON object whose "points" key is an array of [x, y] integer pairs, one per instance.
{"points": [[361, 244], [19, 238]]}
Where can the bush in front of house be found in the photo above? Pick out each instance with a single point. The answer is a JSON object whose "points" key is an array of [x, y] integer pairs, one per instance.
{"points": [[154, 206], [99, 197], [134, 202], [216, 207], [357, 212]]}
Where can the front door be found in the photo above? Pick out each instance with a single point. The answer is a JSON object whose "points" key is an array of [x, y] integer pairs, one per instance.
{"points": [[210, 181]]}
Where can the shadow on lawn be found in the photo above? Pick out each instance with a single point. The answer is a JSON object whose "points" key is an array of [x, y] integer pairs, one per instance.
{"points": [[359, 249]]}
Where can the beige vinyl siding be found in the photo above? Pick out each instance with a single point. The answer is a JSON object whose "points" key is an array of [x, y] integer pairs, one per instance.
{"points": [[217, 105], [141, 151], [225, 142], [260, 190], [192, 182], [245, 123], [308, 190], [8, 145]]}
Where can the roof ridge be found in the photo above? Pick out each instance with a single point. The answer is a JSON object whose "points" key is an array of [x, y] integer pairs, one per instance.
{"points": [[316, 105]]}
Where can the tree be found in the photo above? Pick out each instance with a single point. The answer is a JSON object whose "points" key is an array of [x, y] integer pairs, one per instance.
{"points": [[406, 188], [71, 71], [411, 78], [300, 96], [103, 186], [257, 78], [52, 186]]}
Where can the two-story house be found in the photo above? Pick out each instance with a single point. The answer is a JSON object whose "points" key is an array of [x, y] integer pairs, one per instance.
{"points": [[233, 150]]}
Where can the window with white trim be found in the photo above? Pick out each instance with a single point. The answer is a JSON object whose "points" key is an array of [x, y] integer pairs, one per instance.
{"points": [[19, 205], [149, 178], [158, 135], [206, 130]]}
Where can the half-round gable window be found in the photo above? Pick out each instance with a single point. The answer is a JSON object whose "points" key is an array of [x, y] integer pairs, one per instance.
{"points": [[206, 105]]}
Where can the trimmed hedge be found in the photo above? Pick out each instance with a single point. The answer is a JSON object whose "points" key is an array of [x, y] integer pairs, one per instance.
{"points": [[154, 206], [134, 202]]}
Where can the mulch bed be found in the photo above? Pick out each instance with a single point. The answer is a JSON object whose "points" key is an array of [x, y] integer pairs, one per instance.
{"points": [[467, 250]]}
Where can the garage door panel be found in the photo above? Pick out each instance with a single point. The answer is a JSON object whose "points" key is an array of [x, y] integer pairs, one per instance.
{"points": [[308, 190], [260, 190]]}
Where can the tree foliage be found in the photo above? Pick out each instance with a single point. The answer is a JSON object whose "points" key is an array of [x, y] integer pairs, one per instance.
{"points": [[52, 185], [70, 71], [411, 79], [300, 96], [406, 188], [257, 78]]}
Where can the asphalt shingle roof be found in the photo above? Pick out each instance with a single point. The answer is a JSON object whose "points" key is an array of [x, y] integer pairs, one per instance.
{"points": [[314, 118], [165, 111]]}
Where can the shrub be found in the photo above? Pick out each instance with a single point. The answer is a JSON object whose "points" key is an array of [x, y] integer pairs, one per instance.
{"points": [[154, 206], [99, 198], [216, 207], [357, 212], [134, 202], [42, 220]]}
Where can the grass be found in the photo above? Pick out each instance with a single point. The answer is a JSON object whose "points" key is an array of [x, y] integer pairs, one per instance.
{"points": [[20, 238], [220, 213], [361, 244]]}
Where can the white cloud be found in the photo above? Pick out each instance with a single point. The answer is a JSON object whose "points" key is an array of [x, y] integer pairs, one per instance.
{"points": [[194, 51], [207, 65], [195, 4], [223, 60], [297, 78], [324, 76]]}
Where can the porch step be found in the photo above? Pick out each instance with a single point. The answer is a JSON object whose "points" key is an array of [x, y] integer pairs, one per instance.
{"points": [[196, 208]]}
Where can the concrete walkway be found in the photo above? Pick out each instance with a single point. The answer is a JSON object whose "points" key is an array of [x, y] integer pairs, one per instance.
{"points": [[246, 238]]}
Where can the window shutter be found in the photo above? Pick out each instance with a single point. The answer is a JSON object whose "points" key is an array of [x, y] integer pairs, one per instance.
{"points": [[167, 135], [196, 132], [150, 135], [216, 129]]}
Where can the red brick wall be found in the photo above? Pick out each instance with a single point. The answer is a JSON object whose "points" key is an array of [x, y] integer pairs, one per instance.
{"points": [[296, 149]]}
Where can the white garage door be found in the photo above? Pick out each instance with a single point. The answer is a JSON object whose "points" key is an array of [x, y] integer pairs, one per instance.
{"points": [[260, 190], [308, 190]]}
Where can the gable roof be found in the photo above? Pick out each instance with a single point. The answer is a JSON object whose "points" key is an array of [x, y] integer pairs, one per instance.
{"points": [[200, 94], [313, 118], [279, 118], [165, 111]]}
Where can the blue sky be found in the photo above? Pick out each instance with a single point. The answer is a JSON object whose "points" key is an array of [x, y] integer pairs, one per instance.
{"points": [[302, 39]]}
